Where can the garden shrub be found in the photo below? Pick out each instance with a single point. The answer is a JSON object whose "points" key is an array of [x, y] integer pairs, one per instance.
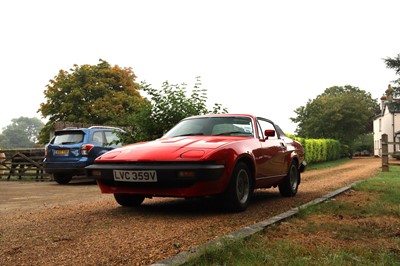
{"points": [[320, 150]]}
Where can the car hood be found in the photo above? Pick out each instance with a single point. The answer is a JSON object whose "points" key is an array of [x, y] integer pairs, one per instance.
{"points": [[193, 147]]}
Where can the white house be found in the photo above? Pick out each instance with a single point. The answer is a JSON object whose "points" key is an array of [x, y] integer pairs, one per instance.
{"points": [[387, 122]]}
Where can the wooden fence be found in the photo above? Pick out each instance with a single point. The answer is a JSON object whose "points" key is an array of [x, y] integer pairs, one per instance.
{"points": [[385, 152], [22, 163]]}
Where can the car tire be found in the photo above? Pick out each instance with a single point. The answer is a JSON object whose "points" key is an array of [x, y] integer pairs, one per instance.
{"points": [[290, 185], [240, 190], [62, 178], [129, 200]]}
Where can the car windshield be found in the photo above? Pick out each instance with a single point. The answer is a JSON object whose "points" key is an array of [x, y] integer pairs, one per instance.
{"points": [[68, 138], [213, 126]]}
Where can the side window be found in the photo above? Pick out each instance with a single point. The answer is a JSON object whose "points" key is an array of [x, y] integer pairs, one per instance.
{"points": [[98, 137], [111, 137], [264, 124]]}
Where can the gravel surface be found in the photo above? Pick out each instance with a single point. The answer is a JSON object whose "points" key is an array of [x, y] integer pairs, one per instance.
{"points": [[49, 224]]}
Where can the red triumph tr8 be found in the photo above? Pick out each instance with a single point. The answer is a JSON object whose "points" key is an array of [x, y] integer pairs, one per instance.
{"points": [[226, 155]]}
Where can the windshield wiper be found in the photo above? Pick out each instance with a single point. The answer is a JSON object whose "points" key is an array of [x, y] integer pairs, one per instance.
{"points": [[233, 132], [190, 134]]}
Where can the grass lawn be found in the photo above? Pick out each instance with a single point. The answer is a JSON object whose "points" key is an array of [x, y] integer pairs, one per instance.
{"points": [[359, 227]]}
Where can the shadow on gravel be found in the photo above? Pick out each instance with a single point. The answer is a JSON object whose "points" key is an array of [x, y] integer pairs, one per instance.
{"points": [[172, 207], [202, 206], [80, 182], [83, 183]]}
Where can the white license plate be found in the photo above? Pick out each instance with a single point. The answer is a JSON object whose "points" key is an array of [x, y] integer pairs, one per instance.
{"points": [[135, 176]]}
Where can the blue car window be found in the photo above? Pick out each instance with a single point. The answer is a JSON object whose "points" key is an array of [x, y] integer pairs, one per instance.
{"points": [[68, 138], [112, 138], [98, 138]]}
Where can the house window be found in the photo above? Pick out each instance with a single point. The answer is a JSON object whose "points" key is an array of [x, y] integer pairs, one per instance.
{"points": [[380, 125]]}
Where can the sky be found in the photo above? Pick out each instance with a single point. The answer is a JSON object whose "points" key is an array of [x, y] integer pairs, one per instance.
{"points": [[260, 57]]}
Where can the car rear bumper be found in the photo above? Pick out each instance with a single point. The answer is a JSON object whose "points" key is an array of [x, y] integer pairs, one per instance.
{"points": [[75, 167]]}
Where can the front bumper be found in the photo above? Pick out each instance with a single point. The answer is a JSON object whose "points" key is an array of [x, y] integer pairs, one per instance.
{"points": [[173, 179]]}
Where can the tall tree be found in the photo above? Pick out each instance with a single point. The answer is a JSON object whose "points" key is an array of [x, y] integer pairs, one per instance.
{"points": [[166, 107], [21, 133], [93, 94], [394, 63], [341, 113]]}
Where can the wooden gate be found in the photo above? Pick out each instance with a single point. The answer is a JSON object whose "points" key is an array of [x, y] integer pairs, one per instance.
{"points": [[385, 152], [22, 163]]}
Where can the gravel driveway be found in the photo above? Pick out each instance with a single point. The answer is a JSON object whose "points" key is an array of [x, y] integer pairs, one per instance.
{"points": [[48, 224]]}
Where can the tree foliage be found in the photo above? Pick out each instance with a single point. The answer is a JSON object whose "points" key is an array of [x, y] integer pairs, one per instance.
{"points": [[166, 107], [364, 142], [341, 113], [394, 63], [108, 95], [93, 94], [21, 133]]}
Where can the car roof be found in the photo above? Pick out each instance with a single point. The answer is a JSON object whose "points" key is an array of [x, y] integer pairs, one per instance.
{"points": [[85, 129], [220, 115], [92, 127]]}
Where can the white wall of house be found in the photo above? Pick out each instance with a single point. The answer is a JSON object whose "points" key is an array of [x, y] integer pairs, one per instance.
{"points": [[388, 123], [377, 136], [397, 130]]}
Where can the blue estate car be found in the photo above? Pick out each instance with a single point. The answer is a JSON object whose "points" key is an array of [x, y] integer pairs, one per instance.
{"points": [[72, 149]]}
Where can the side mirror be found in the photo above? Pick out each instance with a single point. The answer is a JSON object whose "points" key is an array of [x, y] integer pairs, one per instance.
{"points": [[269, 133]]}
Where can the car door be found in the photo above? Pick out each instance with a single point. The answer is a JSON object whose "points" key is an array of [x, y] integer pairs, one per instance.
{"points": [[270, 160]]}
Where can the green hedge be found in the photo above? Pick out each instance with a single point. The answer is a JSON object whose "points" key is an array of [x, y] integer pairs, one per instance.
{"points": [[320, 150]]}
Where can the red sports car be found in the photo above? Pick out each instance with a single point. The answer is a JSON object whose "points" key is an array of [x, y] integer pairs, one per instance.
{"points": [[227, 155]]}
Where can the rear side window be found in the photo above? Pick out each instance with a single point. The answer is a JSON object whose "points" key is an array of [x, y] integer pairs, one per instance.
{"points": [[111, 137], [98, 138], [68, 138]]}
